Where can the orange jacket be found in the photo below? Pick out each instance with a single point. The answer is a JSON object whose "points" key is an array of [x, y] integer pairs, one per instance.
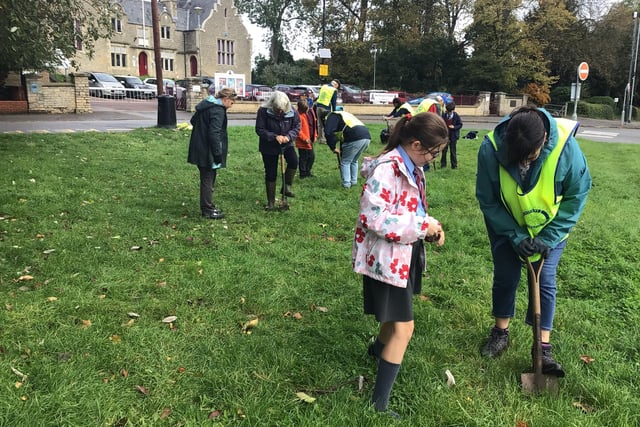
{"points": [[303, 141]]}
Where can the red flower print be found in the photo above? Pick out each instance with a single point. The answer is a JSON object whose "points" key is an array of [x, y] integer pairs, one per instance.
{"points": [[363, 220], [404, 271], [412, 206], [396, 170], [394, 266], [371, 260], [359, 235], [392, 237], [403, 198], [385, 195]]}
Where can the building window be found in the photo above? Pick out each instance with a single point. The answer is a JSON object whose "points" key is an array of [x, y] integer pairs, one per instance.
{"points": [[167, 64], [226, 54], [116, 25], [165, 32], [118, 56]]}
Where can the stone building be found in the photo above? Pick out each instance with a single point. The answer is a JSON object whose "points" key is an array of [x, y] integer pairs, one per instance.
{"points": [[197, 38]]}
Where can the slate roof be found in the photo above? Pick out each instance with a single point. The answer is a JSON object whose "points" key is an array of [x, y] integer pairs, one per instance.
{"points": [[186, 20]]}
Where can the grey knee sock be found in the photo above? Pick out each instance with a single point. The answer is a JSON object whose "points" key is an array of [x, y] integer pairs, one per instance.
{"points": [[387, 373]]}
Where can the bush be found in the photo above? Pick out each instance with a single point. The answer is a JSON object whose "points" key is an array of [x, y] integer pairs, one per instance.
{"points": [[594, 111], [560, 94], [602, 100]]}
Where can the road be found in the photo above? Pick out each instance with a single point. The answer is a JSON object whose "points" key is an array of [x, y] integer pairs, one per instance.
{"points": [[120, 117]]}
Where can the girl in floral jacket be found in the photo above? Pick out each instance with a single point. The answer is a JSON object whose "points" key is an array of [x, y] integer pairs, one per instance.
{"points": [[388, 245]]}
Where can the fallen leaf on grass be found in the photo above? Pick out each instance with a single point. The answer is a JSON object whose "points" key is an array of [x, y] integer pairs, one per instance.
{"points": [[25, 277], [521, 424], [181, 370], [142, 390], [451, 381], [587, 359], [169, 319], [247, 326], [305, 397], [297, 315], [124, 373], [85, 324], [424, 298], [18, 384], [115, 339], [133, 315], [214, 414], [587, 409], [318, 308], [39, 236], [135, 248], [165, 413], [52, 299], [48, 251]]}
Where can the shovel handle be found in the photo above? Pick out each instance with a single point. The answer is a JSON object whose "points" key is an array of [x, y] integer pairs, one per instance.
{"points": [[534, 295]]}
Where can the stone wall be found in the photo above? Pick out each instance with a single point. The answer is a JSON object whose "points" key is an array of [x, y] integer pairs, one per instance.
{"points": [[47, 97]]}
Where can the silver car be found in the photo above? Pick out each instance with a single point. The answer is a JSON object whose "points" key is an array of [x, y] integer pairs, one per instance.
{"points": [[105, 85]]}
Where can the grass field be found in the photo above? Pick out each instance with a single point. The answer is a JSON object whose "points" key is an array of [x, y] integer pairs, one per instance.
{"points": [[101, 240]]}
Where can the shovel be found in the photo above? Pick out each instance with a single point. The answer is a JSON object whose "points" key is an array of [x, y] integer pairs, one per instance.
{"points": [[537, 382], [284, 203]]}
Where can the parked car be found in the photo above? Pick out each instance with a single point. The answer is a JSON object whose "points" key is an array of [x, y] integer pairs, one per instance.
{"points": [[105, 85], [351, 94], [136, 88], [446, 97], [169, 85], [256, 92], [292, 93]]}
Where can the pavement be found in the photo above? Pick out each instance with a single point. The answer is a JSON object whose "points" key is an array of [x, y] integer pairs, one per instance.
{"points": [[144, 114]]}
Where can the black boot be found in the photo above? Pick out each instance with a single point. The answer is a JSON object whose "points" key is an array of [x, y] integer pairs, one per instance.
{"points": [[549, 365], [271, 196], [288, 181]]}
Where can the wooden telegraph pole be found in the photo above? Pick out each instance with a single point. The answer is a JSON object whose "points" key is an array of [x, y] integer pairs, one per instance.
{"points": [[155, 19]]}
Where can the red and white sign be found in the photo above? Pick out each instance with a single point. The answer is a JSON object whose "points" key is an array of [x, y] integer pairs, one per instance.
{"points": [[583, 71]]}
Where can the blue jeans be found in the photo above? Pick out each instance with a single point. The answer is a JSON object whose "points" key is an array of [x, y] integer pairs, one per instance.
{"points": [[350, 153], [507, 268]]}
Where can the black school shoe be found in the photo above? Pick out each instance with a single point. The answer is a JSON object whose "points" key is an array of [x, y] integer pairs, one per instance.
{"points": [[497, 343], [214, 214]]}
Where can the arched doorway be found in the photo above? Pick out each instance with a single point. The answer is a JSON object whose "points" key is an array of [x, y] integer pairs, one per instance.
{"points": [[143, 64], [193, 64]]}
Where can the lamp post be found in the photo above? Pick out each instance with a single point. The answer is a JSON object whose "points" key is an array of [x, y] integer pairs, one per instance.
{"points": [[374, 52], [198, 10]]}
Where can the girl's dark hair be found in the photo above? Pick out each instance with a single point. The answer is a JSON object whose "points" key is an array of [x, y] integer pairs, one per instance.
{"points": [[428, 128], [525, 133], [302, 106]]}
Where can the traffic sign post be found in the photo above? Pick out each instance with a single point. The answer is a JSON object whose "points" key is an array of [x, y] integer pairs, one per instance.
{"points": [[583, 73]]}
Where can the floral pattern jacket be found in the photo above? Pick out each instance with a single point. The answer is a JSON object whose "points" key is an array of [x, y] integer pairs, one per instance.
{"points": [[388, 223]]}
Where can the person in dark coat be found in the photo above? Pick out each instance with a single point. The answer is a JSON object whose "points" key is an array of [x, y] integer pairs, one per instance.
{"points": [[209, 144], [454, 123], [277, 125]]}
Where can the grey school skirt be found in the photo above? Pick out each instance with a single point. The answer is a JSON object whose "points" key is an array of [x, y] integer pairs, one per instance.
{"points": [[390, 303]]}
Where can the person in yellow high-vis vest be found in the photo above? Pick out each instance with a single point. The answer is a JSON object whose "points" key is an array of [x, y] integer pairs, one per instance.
{"points": [[532, 185], [327, 102]]}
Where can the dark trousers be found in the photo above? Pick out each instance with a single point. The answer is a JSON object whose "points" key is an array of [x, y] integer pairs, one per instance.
{"points": [[271, 163], [307, 157], [451, 147], [207, 180]]}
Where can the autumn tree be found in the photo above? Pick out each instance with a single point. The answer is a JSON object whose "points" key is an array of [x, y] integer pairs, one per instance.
{"points": [[38, 34]]}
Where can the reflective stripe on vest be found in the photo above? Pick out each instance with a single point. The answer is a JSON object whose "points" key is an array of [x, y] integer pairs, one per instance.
{"points": [[540, 205], [325, 95], [349, 119], [407, 107], [425, 105]]}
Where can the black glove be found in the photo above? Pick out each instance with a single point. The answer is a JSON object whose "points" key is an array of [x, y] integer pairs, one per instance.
{"points": [[525, 248], [541, 247]]}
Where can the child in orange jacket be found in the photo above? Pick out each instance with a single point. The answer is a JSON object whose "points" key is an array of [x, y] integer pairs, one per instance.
{"points": [[304, 141]]}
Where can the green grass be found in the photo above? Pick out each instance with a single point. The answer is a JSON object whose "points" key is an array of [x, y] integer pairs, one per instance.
{"points": [[75, 207]]}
